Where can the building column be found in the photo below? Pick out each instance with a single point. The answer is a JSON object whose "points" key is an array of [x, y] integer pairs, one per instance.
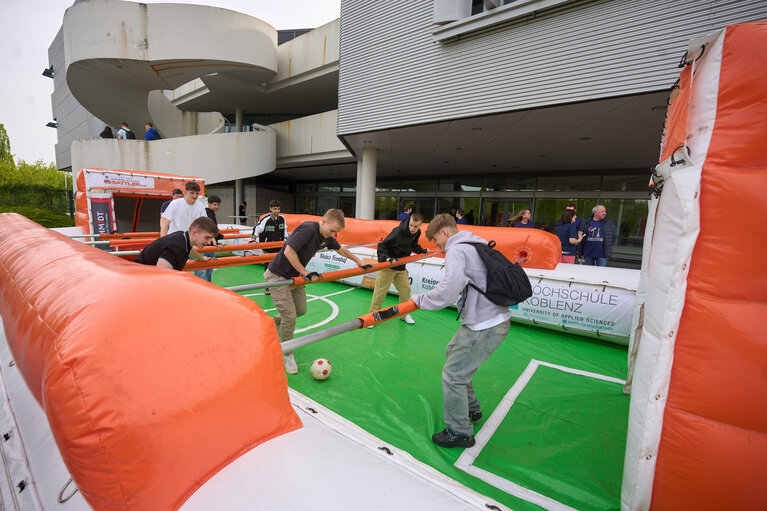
{"points": [[238, 120], [239, 184], [366, 184]]}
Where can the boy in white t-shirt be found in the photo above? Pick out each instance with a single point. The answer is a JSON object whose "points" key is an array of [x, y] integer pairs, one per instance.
{"points": [[182, 212]]}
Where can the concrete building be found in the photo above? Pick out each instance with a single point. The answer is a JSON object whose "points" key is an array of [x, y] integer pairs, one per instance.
{"points": [[491, 106]]}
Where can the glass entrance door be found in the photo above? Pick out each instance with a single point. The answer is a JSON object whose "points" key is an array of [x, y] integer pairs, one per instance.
{"points": [[498, 212]]}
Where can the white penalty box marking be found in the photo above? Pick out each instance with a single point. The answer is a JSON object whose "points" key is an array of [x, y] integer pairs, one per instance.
{"points": [[466, 460]]}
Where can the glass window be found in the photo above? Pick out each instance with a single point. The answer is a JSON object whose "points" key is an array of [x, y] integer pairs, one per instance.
{"points": [[581, 183], [326, 203], [468, 184], [470, 207], [387, 185], [424, 206], [446, 205], [548, 212], [494, 213], [329, 187], [349, 187], [309, 206], [308, 187], [626, 183], [386, 208], [504, 183], [420, 186], [630, 217]]}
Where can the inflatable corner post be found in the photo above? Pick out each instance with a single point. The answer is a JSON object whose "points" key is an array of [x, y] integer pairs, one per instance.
{"points": [[97, 189], [697, 435], [541, 249], [152, 380]]}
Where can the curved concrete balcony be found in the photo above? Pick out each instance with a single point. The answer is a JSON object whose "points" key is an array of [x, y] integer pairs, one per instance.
{"points": [[215, 158], [117, 52]]}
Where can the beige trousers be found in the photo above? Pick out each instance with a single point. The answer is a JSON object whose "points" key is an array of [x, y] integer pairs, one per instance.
{"points": [[290, 302], [384, 278]]}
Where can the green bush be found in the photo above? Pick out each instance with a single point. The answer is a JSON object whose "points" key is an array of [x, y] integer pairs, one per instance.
{"points": [[42, 216], [35, 195]]}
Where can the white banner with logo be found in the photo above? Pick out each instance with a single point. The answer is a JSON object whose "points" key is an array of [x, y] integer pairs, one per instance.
{"points": [[597, 309], [117, 180]]}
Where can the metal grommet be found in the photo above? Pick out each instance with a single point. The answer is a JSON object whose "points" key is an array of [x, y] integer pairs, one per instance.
{"points": [[648, 457], [657, 396], [63, 499], [671, 334]]}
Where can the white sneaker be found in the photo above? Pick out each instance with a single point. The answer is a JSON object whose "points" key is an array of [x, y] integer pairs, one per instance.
{"points": [[371, 326], [290, 364], [407, 319]]}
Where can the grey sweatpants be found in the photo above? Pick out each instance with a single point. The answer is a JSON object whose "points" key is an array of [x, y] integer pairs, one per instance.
{"points": [[466, 351]]}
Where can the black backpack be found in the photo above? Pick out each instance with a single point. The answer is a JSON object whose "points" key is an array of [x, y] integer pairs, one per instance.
{"points": [[129, 135], [507, 282]]}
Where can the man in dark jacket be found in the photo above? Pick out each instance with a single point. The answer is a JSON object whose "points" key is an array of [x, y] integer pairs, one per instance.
{"points": [[401, 242], [601, 235]]}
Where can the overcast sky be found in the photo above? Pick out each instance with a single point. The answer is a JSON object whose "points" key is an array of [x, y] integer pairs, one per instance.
{"points": [[27, 28]]}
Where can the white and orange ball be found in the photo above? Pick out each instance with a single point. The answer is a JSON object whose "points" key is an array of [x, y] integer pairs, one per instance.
{"points": [[321, 369]]}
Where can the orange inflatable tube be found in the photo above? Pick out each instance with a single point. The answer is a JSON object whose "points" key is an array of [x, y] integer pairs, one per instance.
{"points": [[143, 404], [540, 249]]}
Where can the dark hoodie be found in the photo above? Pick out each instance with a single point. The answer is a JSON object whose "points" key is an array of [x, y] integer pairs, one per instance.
{"points": [[400, 243]]}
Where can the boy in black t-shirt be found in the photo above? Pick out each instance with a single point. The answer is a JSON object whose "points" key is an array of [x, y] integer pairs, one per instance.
{"points": [[172, 251], [291, 262]]}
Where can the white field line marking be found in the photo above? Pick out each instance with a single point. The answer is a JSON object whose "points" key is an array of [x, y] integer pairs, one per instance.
{"points": [[333, 309], [466, 460]]}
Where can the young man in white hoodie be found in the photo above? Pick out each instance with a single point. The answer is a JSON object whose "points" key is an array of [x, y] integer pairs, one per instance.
{"points": [[484, 325]]}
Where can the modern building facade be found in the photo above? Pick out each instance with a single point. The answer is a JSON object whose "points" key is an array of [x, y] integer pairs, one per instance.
{"points": [[491, 106]]}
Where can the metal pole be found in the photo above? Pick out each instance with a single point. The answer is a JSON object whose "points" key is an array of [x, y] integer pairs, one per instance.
{"points": [[333, 275], [322, 334], [371, 318]]}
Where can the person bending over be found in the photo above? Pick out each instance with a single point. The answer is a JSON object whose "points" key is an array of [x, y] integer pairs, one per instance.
{"points": [[173, 251], [484, 325], [290, 262]]}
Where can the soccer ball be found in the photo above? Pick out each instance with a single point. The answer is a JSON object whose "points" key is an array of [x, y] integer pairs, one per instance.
{"points": [[321, 369]]}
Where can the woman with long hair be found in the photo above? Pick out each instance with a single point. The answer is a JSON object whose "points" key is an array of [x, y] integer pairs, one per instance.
{"points": [[568, 234], [522, 219]]}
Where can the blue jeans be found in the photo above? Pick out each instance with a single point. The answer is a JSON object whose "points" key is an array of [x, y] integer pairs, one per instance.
{"points": [[206, 274], [595, 261], [466, 351]]}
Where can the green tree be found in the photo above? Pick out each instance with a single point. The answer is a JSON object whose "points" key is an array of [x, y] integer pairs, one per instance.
{"points": [[7, 166]]}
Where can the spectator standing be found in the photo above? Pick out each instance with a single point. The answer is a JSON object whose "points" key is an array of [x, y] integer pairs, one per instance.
{"points": [[459, 218], [124, 133], [484, 325], [291, 262], [401, 242], [522, 219], [151, 133], [180, 214], [176, 194], [569, 235], [106, 133], [601, 235], [270, 227], [242, 211], [173, 251], [406, 212]]}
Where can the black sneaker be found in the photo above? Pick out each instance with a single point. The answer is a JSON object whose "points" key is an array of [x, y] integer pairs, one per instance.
{"points": [[475, 416], [446, 439], [266, 292]]}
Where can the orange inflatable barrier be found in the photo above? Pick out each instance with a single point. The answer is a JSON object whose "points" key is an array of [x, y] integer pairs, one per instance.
{"points": [[144, 408], [540, 249]]}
